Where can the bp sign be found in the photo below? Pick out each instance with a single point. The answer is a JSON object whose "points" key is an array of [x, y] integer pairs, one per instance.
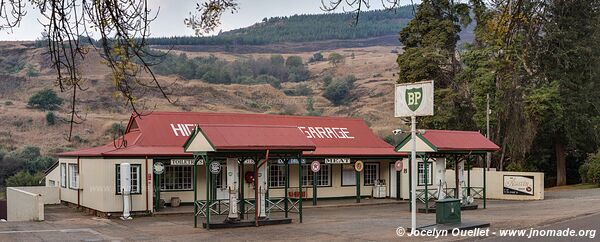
{"points": [[414, 99]]}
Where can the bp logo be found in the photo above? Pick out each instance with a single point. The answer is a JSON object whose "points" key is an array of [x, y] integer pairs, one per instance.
{"points": [[413, 97]]}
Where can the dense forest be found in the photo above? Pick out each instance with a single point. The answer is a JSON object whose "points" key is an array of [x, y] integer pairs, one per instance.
{"points": [[539, 63], [273, 70], [303, 28]]}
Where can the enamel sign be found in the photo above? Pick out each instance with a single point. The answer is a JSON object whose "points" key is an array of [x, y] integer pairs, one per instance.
{"points": [[518, 185], [414, 99]]}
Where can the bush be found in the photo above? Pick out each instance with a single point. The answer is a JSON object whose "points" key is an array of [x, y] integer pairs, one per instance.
{"points": [[45, 100], [23, 178], [50, 118], [338, 91], [31, 71], [8, 103], [590, 170], [299, 90], [115, 130], [335, 59], [316, 57], [310, 108]]}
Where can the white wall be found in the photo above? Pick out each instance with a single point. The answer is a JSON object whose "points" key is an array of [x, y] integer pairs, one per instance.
{"points": [[23, 205], [50, 195]]}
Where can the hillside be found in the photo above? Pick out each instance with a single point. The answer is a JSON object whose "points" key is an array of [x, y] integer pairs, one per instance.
{"points": [[305, 28], [371, 98]]}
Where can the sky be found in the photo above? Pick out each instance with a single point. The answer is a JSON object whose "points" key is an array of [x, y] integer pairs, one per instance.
{"points": [[171, 14]]}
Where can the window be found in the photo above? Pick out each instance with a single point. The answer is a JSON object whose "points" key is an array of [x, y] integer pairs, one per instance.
{"points": [[371, 173], [220, 178], [348, 175], [136, 178], [63, 175], [276, 175], [177, 178], [323, 176], [421, 175], [73, 174]]}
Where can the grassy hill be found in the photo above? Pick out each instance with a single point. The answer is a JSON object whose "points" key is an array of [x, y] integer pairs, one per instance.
{"points": [[305, 28]]}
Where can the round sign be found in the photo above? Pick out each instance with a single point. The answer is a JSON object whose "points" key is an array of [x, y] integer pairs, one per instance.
{"points": [[358, 166], [215, 167], [159, 168], [315, 166], [399, 165]]}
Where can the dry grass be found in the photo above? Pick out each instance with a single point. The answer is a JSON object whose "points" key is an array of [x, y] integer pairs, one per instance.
{"points": [[372, 98]]}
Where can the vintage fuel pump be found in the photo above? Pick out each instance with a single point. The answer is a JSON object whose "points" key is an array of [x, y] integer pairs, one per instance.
{"points": [[233, 187], [440, 174]]}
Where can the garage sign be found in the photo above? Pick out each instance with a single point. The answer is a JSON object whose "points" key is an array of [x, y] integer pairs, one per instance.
{"points": [[518, 185]]}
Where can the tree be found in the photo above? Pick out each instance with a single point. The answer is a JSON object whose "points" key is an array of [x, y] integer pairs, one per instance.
{"points": [[45, 99], [316, 57], [335, 59], [430, 40], [565, 104], [338, 91], [23, 178]]}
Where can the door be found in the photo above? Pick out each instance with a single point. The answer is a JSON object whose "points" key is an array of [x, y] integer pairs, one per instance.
{"points": [[221, 185]]}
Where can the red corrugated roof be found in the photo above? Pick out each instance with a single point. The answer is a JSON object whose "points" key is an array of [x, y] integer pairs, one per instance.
{"points": [[256, 137], [454, 140], [164, 133]]}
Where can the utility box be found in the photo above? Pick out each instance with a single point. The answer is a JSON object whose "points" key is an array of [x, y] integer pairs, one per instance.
{"points": [[447, 211]]}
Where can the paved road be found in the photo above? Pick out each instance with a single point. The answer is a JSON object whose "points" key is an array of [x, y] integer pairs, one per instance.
{"points": [[560, 209], [588, 225]]}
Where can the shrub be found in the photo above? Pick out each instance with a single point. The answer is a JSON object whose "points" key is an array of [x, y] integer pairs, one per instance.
{"points": [[50, 118], [299, 90], [115, 130], [310, 108], [24, 178], [45, 99], [590, 170], [335, 59], [31, 71], [338, 91], [8, 103], [316, 57]]}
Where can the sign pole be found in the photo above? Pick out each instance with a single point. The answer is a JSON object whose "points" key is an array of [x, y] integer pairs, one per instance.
{"points": [[413, 176]]}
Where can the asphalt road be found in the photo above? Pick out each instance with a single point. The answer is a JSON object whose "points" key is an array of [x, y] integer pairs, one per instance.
{"points": [[588, 226]]}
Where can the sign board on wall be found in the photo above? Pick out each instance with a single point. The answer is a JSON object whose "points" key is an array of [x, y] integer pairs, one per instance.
{"points": [[337, 161], [185, 162], [414, 99], [518, 185]]}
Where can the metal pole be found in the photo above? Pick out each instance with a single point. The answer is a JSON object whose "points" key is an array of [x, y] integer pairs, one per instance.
{"points": [[357, 174], [287, 185], [410, 184], [242, 185], [300, 186], [413, 156], [425, 161], [206, 162], [484, 188], [488, 158], [398, 185], [314, 186], [469, 178], [256, 198], [195, 193]]}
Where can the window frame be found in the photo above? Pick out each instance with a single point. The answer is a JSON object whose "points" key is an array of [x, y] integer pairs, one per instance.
{"points": [[139, 179], [76, 170], [162, 176], [306, 167], [419, 172], [364, 173], [282, 172], [63, 175]]}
